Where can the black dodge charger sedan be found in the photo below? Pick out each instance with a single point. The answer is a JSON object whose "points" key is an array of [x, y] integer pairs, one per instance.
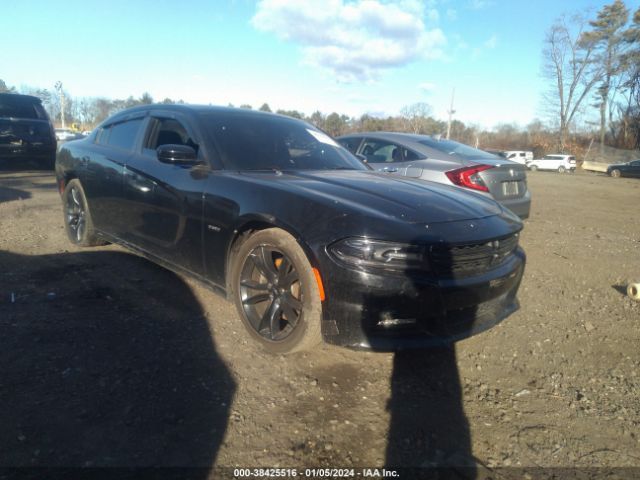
{"points": [[308, 242]]}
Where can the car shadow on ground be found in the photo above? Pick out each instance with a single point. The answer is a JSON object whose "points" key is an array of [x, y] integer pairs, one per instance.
{"points": [[17, 185], [8, 194], [107, 361]]}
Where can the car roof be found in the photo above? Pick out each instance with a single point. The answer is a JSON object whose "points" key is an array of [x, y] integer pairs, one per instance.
{"points": [[18, 98], [409, 139], [193, 109]]}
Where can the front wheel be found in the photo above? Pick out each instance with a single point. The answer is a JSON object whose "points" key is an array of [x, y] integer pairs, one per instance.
{"points": [[77, 218], [615, 173], [276, 292]]}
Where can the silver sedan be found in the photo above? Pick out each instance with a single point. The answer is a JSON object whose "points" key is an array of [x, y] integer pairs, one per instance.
{"points": [[444, 161]]}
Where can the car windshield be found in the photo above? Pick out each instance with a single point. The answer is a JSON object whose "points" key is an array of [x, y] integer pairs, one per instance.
{"points": [[454, 148], [265, 142]]}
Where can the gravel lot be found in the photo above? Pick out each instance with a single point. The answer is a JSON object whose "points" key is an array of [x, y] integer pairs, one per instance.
{"points": [[109, 360]]}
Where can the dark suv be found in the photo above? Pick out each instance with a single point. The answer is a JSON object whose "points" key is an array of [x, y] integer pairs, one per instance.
{"points": [[26, 133]]}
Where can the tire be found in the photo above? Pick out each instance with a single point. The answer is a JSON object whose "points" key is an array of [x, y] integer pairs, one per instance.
{"points": [[275, 291], [77, 218], [533, 168], [561, 169], [633, 290], [615, 173]]}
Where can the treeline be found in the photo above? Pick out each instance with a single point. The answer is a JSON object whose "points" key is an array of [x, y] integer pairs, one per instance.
{"points": [[416, 118], [593, 69]]}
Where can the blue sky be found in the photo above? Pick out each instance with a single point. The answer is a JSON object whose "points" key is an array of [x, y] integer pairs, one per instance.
{"points": [[353, 57]]}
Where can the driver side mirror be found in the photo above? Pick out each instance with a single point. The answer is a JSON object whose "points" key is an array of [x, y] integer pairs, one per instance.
{"points": [[177, 154], [362, 158]]}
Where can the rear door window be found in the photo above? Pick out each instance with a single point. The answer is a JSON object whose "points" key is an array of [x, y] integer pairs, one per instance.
{"points": [[123, 135], [379, 151]]}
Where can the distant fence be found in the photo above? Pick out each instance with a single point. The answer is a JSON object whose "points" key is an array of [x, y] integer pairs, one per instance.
{"points": [[598, 157]]}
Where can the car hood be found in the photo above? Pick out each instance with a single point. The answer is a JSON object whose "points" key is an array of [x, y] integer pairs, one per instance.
{"points": [[383, 195]]}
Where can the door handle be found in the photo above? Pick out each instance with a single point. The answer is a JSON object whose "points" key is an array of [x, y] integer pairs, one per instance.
{"points": [[389, 169]]}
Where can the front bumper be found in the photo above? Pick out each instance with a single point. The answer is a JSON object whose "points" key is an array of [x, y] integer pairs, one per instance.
{"points": [[390, 312]]}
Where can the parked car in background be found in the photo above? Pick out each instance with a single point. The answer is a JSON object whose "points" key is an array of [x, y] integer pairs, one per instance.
{"points": [[26, 133], [629, 169], [518, 156], [557, 162], [444, 161], [308, 242], [64, 133]]}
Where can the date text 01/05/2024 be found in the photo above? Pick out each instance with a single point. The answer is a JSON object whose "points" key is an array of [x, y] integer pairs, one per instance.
{"points": [[314, 473]]}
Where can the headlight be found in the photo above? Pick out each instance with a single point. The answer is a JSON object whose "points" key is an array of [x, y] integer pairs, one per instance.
{"points": [[378, 254]]}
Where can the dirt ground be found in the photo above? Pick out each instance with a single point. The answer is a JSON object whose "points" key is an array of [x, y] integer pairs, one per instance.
{"points": [[109, 360]]}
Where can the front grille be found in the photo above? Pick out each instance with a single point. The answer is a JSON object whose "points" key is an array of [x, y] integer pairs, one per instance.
{"points": [[466, 260]]}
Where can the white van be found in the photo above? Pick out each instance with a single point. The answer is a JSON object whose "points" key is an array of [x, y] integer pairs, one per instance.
{"points": [[518, 156]]}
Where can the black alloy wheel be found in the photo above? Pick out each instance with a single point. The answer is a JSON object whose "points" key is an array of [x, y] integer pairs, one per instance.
{"points": [[76, 214], [77, 218], [276, 292], [270, 293]]}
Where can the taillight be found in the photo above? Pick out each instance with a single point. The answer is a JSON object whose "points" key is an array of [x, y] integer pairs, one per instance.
{"points": [[468, 177]]}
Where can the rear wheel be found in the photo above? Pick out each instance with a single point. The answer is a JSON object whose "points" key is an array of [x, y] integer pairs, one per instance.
{"points": [[77, 218], [615, 173], [533, 168], [276, 293], [561, 169]]}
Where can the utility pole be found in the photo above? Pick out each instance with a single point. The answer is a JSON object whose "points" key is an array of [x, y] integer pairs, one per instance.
{"points": [[450, 112], [58, 87]]}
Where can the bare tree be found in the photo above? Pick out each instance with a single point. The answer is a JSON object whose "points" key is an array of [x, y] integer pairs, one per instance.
{"points": [[415, 116], [631, 62], [607, 39], [568, 62]]}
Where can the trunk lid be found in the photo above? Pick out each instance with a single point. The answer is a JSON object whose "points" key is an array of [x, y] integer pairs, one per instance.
{"points": [[506, 180]]}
